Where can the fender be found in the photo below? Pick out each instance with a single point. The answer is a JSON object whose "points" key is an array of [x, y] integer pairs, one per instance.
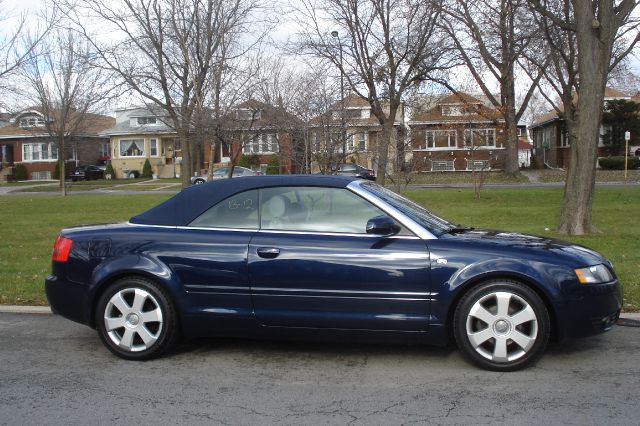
{"points": [[113, 268], [554, 283]]}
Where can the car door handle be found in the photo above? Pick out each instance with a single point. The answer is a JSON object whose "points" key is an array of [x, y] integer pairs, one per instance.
{"points": [[268, 252]]}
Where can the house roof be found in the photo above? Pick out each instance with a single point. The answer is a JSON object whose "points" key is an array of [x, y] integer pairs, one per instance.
{"points": [[481, 112], [552, 115], [523, 144], [270, 116], [93, 125], [332, 116]]}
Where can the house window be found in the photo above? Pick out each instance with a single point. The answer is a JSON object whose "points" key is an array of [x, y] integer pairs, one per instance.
{"points": [[365, 113], [519, 132], [478, 165], [480, 138], [32, 121], [441, 138], [362, 141], [564, 139], [350, 144], [42, 175], [153, 147], [261, 144], [39, 152], [146, 120], [442, 166], [248, 114], [104, 149], [315, 143], [132, 148]]}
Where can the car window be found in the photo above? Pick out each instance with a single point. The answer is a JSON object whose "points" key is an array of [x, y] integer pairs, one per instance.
{"points": [[315, 210], [348, 167], [238, 211], [220, 172]]}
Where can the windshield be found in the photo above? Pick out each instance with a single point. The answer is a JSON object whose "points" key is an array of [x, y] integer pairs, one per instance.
{"points": [[435, 224]]}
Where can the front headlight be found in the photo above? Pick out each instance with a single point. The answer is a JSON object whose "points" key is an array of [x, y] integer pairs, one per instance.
{"points": [[594, 274]]}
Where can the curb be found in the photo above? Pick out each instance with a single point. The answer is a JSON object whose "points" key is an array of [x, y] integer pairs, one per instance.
{"points": [[45, 310], [17, 309]]}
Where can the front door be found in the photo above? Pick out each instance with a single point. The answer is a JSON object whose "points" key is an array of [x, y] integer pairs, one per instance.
{"points": [[313, 265]]}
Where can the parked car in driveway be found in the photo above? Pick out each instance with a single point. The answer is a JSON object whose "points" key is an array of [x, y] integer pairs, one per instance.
{"points": [[87, 173], [350, 169], [325, 257], [223, 173]]}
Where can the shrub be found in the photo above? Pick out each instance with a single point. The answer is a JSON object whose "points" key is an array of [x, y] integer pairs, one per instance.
{"points": [[273, 166], [249, 161], [20, 172], [617, 163], [135, 173], [56, 171], [109, 170], [146, 169]]}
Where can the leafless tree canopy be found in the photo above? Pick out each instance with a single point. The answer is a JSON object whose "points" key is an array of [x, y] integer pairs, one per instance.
{"points": [[492, 37], [380, 47], [169, 51], [585, 40], [65, 86]]}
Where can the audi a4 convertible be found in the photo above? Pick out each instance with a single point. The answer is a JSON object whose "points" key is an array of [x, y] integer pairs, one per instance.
{"points": [[325, 257]]}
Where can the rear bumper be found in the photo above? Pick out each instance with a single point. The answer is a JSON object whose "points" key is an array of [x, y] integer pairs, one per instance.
{"points": [[595, 312], [67, 299]]}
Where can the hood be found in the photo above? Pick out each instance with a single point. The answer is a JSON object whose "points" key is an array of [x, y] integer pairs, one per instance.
{"points": [[574, 253]]}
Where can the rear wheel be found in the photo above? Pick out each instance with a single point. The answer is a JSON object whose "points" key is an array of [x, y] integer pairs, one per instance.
{"points": [[502, 325], [198, 181], [136, 319]]}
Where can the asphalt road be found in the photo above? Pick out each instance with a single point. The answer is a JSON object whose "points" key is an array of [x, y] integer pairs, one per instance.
{"points": [[53, 371]]}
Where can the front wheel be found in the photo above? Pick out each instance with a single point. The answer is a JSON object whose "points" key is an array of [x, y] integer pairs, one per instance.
{"points": [[502, 325], [136, 319]]}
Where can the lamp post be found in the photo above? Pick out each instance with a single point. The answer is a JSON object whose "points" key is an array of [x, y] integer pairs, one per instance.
{"points": [[343, 128]]}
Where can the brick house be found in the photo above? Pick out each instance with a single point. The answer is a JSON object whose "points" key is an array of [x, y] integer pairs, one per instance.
{"points": [[457, 132], [25, 141], [362, 130], [259, 130], [550, 140]]}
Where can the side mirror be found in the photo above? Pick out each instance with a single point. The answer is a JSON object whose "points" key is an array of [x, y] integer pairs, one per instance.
{"points": [[382, 225]]}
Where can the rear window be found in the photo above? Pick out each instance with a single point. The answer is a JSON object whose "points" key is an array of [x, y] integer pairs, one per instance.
{"points": [[240, 211]]}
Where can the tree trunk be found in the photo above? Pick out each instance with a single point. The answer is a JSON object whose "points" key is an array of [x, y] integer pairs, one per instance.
{"points": [[511, 166], [62, 166], [185, 147], [385, 140], [593, 63]]}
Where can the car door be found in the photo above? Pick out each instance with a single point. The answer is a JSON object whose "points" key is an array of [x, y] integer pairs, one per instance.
{"points": [[209, 257], [313, 265]]}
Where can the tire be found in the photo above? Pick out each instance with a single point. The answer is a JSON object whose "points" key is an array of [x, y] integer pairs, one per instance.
{"points": [[136, 319], [501, 325], [198, 181]]}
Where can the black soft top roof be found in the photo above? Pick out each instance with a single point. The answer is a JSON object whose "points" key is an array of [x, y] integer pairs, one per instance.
{"points": [[191, 202]]}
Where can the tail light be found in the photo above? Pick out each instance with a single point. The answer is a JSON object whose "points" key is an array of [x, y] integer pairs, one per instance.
{"points": [[61, 249], [372, 173]]}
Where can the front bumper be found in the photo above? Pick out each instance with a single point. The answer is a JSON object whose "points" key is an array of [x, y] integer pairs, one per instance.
{"points": [[68, 299], [594, 312]]}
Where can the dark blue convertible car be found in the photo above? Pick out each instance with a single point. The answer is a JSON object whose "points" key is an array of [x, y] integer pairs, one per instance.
{"points": [[325, 257]]}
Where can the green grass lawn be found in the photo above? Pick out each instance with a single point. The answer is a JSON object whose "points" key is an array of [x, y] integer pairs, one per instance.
{"points": [[30, 224]]}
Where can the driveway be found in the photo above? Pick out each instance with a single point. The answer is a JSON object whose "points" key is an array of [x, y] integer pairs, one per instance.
{"points": [[53, 371]]}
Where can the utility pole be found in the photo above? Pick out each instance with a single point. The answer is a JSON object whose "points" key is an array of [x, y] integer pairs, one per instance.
{"points": [[343, 127]]}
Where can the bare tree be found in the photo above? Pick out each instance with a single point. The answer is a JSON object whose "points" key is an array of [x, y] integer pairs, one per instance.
{"points": [[586, 40], [65, 86], [380, 48], [493, 36], [168, 51], [20, 39]]}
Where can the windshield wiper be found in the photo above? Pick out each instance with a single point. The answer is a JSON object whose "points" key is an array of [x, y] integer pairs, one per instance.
{"points": [[458, 228]]}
